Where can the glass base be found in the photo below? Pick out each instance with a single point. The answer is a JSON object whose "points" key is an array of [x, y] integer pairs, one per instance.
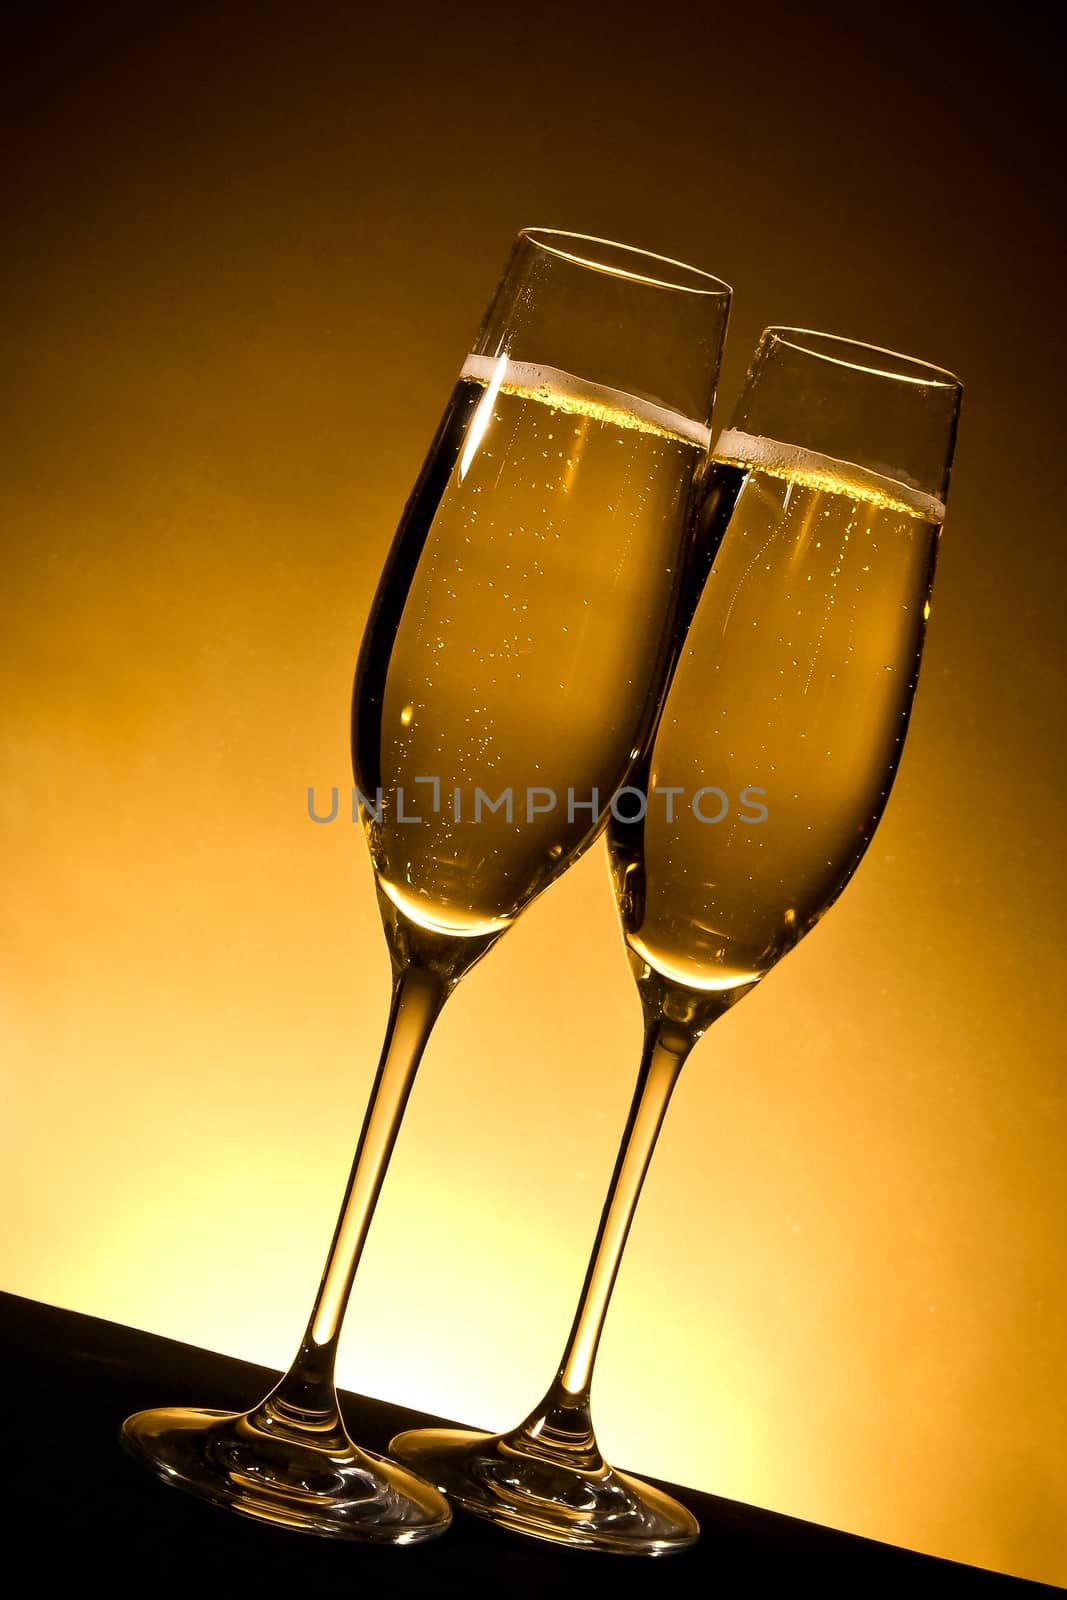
{"points": [[258, 1466], [505, 1479]]}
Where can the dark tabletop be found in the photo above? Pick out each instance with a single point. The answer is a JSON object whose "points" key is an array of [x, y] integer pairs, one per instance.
{"points": [[74, 1501]]}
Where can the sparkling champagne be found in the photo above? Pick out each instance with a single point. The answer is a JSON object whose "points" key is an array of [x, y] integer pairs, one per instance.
{"points": [[785, 720], [517, 647]]}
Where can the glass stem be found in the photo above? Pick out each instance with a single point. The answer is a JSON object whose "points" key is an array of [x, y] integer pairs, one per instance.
{"points": [[562, 1423], [306, 1399]]}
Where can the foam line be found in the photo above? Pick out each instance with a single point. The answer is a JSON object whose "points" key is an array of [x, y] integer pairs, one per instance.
{"points": [[546, 383], [792, 461]]}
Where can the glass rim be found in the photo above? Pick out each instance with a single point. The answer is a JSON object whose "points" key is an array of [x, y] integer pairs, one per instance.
{"points": [[552, 240], [913, 370]]}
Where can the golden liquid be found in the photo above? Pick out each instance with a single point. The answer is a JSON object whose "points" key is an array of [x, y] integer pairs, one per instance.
{"points": [[519, 637], [796, 679]]}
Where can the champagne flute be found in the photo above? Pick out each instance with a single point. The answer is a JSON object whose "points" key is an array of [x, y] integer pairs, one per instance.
{"points": [[509, 675], [771, 765]]}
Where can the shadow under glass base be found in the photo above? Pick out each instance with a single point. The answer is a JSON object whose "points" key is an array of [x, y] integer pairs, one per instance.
{"points": [[258, 1466], [588, 1505]]}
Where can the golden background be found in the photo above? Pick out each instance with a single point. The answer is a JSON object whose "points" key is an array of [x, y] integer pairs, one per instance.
{"points": [[245, 252]]}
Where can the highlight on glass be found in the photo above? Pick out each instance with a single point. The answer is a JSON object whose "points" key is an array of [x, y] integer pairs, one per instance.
{"points": [[521, 635], [818, 525]]}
